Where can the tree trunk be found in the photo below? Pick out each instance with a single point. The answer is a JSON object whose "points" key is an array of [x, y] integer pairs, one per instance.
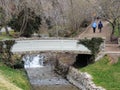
{"points": [[6, 29], [113, 29], [24, 22], [113, 24]]}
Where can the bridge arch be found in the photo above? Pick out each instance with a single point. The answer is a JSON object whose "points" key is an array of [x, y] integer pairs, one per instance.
{"points": [[82, 60]]}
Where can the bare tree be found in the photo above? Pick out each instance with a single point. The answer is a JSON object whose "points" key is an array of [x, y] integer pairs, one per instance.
{"points": [[4, 4], [12, 8], [69, 14], [110, 11], [77, 13], [65, 15]]}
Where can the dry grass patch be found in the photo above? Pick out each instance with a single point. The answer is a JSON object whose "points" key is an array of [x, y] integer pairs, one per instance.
{"points": [[5, 84]]}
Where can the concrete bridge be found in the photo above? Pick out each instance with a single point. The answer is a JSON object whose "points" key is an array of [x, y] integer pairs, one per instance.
{"points": [[69, 52], [55, 45]]}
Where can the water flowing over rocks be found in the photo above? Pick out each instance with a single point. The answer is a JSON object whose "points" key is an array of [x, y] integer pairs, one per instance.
{"points": [[54, 71], [40, 70], [33, 61]]}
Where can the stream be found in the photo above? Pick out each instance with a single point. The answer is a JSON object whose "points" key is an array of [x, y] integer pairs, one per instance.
{"points": [[42, 76]]}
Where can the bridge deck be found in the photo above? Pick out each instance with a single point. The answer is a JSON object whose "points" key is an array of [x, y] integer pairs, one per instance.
{"points": [[49, 45]]}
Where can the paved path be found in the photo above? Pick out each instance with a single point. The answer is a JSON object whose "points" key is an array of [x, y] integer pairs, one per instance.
{"points": [[111, 49], [106, 31], [88, 33], [49, 45]]}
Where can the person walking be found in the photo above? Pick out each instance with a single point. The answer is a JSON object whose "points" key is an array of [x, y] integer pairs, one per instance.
{"points": [[94, 26], [100, 26]]}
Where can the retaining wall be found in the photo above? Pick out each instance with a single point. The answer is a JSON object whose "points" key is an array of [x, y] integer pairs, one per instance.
{"points": [[81, 80]]}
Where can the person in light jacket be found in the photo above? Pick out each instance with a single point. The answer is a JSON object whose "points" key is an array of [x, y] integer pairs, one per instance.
{"points": [[94, 26]]}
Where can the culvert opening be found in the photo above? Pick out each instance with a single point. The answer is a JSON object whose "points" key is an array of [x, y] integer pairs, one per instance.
{"points": [[82, 60]]}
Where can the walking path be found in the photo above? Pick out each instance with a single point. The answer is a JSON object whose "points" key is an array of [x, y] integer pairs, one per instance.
{"points": [[112, 49], [88, 33]]}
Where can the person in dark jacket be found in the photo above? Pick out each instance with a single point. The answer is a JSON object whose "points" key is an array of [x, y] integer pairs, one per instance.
{"points": [[100, 26]]}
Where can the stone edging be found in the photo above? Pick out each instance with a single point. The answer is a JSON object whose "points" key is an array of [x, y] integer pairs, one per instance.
{"points": [[82, 80]]}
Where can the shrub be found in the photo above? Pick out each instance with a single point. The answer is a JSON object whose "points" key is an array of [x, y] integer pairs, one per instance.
{"points": [[6, 54], [92, 44]]}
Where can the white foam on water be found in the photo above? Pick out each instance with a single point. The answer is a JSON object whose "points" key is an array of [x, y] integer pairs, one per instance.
{"points": [[35, 61]]}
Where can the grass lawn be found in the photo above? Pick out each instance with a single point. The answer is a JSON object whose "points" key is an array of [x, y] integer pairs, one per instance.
{"points": [[13, 79], [117, 31], [3, 36], [105, 74]]}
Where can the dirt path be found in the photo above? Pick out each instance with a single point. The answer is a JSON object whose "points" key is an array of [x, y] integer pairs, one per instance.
{"points": [[88, 33], [112, 49]]}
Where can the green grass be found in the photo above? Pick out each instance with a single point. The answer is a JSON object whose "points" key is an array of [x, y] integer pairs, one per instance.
{"points": [[3, 36], [117, 31], [105, 74], [12, 79], [14, 76]]}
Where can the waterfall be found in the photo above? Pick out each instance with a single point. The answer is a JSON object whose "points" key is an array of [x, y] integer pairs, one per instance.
{"points": [[33, 61]]}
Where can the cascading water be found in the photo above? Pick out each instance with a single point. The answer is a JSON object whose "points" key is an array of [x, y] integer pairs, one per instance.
{"points": [[41, 74], [33, 61]]}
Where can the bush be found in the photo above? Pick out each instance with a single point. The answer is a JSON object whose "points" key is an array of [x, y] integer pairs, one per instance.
{"points": [[92, 44], [6, 54]]}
